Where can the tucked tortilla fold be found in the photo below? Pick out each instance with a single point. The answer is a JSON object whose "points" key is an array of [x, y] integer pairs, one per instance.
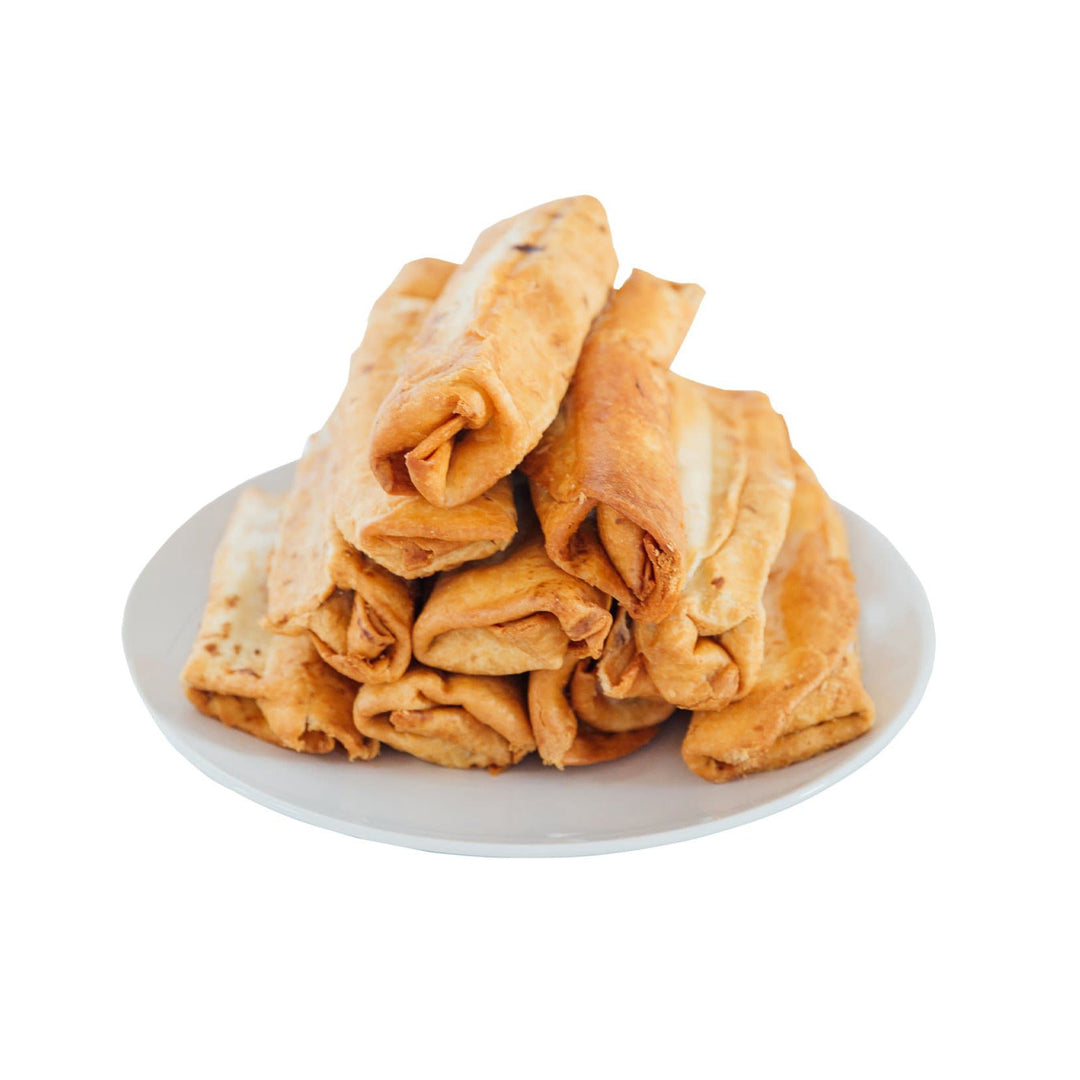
{"points": [[575, 724], [458, 721], [242, 674], [404, 533], [809, 696], [358, 615], [495, 353], [736, 477], [514, 612], [604, 477]]}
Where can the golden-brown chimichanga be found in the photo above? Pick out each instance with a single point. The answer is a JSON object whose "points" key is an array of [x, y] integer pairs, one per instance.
{"points": [[737, 480], [404, 533], [458, 721], [604, 478], [493, 357], [575, 724], [809, 696], [241, 673], [359, 616], [514, 612]]}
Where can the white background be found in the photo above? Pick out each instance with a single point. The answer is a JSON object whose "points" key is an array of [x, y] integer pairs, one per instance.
{"points": [[200, 203]]}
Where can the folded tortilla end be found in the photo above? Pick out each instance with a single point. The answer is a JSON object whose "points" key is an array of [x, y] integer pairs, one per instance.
{"points": [[596, 748]]}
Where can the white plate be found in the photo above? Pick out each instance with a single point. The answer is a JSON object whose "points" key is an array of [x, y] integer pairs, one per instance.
{"points": [[646, 799]]}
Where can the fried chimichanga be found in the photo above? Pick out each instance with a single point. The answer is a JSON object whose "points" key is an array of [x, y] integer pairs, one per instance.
{"points": [[575, 724], [737, 480], [809, 696], [453, 720], [514, 612], [404, 533], [359, 616], [604, 478], [494, 355], [242, 674]]}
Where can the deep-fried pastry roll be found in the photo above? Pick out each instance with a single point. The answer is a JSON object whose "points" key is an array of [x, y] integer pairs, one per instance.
{"points": [[453, 720], [404, 533], [514, 612], [737, 479], [604, 478], [809, 696], [494, 355], [574, 724], [240, 673], [359, 616]]}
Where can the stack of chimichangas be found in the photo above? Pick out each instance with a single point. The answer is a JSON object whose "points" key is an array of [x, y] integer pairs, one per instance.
{"points": [[519, 531]]}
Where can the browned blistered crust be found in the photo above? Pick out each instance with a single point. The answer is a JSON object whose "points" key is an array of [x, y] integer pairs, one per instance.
{"points": [[809, 696], [240, 673], [575, 725], [512, 613], [403, 533], [495, 353], [604, 478], [458, 721], [244, 714], [736, 480]]}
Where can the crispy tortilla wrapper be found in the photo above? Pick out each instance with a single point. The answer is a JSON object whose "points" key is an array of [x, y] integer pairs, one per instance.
{"points": [[604, 478], [229, 654], [359, 616], [809, 697], [494, 356], [404, 533], [575, 724], [514, 612], [458, 721], [240, 673], [737, 481]]}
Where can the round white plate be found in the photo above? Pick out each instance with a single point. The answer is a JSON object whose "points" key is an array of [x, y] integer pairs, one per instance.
{"points": [[648, 798]]}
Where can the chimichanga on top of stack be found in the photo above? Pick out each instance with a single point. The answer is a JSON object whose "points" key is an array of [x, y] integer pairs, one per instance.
{"points": [[604, 478], [249, 678], [404, 533], [809, 695], [495, 353], [736, 479], [360, 614]]}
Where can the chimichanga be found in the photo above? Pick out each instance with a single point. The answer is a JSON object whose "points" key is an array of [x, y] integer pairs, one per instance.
{"points": [[358, 615], [514, 612], [240, 673], [737, 479], [604, 478], [809, 696], [574, 724], [495, 353], [404, 533], [453, 720]]}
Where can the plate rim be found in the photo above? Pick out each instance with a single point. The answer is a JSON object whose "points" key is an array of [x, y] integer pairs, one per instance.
{"points": [[608, 844]]}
